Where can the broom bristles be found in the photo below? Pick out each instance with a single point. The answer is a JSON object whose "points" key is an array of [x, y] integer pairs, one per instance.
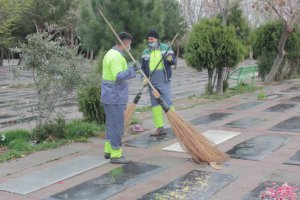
{"points": [[200, 148], [128, 114]]}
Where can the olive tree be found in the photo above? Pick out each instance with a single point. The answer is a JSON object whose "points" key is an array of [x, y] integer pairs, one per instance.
{"points": [[55, 72]]}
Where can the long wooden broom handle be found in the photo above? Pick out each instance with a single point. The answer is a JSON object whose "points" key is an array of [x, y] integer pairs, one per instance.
{"points": [[130, 55]]}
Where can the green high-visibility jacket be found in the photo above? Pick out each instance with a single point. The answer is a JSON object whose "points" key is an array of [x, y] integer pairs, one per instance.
{"points": [[114, 86]]}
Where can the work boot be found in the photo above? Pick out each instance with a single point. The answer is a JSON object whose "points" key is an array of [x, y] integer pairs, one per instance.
{"points": [[121, 160], [107, 155], [161, 131]]}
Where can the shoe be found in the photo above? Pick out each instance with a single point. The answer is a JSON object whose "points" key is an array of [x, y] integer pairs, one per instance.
{"points": [[107, 155], [121, 160], [159, 132]]}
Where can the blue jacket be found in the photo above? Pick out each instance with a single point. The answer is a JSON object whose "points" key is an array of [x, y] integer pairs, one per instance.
{"points": [[167, 64]]}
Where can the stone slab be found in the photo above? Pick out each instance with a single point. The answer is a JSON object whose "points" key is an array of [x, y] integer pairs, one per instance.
{"points": [[206, 119], [274, 96], [292, 124], [281, 107], [244, 122], [257, 148], [292, 89], [110, 183], [267, 189], [245, 106], [195, 185], [296, 98], [145, 141], [7, 116], [294, 160], [216, 136], [40, 179]]}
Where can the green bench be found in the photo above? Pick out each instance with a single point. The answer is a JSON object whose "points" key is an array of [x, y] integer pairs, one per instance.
{"points": [[241, 73]]}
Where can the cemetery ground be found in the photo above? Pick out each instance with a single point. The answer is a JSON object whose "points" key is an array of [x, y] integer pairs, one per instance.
{"points": [[261, 135]]}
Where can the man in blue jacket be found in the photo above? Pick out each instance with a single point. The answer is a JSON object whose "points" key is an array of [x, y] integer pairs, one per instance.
{"points": [[160, 77], [114, 97]]}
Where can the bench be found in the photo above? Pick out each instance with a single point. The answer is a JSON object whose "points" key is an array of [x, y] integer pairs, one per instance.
{"points": [[242, 73]]}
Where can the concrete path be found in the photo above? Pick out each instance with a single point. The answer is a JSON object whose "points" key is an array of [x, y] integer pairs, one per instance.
{"points": [[266, 141]]}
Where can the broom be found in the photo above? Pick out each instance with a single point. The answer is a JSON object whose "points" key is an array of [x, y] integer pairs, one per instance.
{"points": [[132, 106], [189, 137]]}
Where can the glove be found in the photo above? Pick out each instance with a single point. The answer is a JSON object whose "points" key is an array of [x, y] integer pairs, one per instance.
{"points": [[145, 82], [169, 57], [136, 66]]}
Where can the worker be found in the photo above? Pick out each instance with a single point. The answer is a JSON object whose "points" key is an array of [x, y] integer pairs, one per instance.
{"points": [[114, 96], [159, 77]]}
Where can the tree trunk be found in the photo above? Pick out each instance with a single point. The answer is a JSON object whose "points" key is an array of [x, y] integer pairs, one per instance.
{"points": [[294, 65], [280, 55], [20, 59], [220, 80], [1, 57], [92, 55], [251, 54], [209, 84], [72, 38]]}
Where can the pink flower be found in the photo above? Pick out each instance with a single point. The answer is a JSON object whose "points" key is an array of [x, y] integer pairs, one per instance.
{"points": [[283, 192]]}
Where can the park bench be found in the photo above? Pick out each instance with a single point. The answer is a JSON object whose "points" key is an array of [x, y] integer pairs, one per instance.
{"points": [[244, 72]]}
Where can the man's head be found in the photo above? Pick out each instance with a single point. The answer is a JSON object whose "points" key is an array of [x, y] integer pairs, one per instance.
{"points": [[152, 38], [126, 39]]}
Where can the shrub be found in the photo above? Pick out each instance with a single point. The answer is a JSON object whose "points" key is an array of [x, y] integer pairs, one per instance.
{"points": [[79, 129], [89, 104], [88, 95], [51, 130]]}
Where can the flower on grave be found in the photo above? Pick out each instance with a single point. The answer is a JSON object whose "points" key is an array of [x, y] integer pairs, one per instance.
{"points": [[284, 192]]}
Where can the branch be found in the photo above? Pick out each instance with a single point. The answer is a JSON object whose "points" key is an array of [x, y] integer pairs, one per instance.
{"points": [[275, 10]]}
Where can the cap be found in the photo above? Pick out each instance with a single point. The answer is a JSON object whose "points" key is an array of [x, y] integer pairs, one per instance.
{"points": [[153, 33]]}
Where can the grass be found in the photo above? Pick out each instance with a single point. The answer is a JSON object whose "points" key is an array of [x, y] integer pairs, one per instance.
{"points": [[143, 109], [239, 89], [19, 143], [261, 96], [135, 120]]}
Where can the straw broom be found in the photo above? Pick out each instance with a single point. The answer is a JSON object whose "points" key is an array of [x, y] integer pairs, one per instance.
{"points": [[132, 106], [189, 137]]}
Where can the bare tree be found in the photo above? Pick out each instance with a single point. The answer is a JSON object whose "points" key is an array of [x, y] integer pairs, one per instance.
{"points": [[194, 10]]}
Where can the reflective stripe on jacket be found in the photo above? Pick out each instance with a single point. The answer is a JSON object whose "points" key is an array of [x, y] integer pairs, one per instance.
{"points": [[114, 86]]}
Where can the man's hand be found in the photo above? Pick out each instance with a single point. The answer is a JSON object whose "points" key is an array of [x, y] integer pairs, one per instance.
{"points": [[136, 66], [145, 82], [169, 57]]}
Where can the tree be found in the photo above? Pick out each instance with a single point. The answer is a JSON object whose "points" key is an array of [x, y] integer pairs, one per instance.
{"points": [[288, 11], [265, 41], [9, 13], [213, 46], [55, 71], [134, 16], [173, 20]]}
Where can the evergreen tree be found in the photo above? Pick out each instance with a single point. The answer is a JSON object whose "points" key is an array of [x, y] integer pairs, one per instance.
{"points": [[133, 16]]}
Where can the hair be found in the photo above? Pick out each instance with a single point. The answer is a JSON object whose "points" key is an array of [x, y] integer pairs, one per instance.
{"points": [[124, 36]]}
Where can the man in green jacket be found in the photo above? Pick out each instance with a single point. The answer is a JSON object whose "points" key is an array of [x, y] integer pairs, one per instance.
{"points": [[114, 97], [159, 77]]}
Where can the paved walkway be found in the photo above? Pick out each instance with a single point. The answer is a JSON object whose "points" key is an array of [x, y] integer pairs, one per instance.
{"points": [[268, 142]]}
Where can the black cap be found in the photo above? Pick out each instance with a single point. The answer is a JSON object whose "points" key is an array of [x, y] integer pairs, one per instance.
{"points": [[153, 33], [125, 36]]}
